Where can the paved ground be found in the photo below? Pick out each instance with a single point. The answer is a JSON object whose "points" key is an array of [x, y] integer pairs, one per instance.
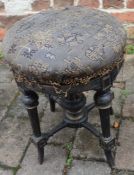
{"points": [[75, 148]]}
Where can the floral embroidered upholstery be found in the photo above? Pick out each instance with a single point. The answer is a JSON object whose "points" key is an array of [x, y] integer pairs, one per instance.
{"points": [[64, 47]]}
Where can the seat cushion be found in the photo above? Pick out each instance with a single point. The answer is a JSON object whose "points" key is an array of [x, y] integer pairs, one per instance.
{"points": [[64, 47]]}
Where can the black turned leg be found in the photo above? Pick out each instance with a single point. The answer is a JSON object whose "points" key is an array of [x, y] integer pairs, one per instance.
{"points": [[103, 102], [30, 100], [107, 139], [52, 103]]}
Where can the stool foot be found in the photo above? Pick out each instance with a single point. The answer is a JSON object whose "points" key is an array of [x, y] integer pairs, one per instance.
{"points": [[110, 158], [109, 143], [40, 155]]}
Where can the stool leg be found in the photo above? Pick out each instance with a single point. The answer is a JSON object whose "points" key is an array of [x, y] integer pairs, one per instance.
{"points": [[30, 100], [103, 101], [52, 103], [105, 126]]}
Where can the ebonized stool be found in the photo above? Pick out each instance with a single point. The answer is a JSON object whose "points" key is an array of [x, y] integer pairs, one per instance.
{"points": [[63, 53]]}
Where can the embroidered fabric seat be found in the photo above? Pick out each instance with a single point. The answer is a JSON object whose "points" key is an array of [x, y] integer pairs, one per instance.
{"points": [[64, 49]]}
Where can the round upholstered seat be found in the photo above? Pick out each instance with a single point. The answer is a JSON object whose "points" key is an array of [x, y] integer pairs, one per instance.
{"points": [[69, 47]]}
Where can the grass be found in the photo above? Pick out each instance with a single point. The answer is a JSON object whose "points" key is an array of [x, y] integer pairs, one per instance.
{"points": [[125, 93], [130, 49], [1, 55], [69, 159], [15, 169]]}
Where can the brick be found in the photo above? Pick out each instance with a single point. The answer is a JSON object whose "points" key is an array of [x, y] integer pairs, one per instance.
{"points": [[7, 22], [89, 3], [40, 5], [2, 6], [1, 25], [120, 85], [61, 3], [125, 16], [130, 3], [2, 33], [130, 41], [113, 3], [130, 32]]}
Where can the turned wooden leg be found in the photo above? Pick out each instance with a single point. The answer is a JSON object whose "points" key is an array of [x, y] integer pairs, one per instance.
{"points": [[30, 100], [103, 101]]}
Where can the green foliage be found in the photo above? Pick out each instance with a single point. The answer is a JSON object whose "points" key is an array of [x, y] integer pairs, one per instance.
{"points": [[69, 146], [125, 93], [130, 49], [1, 55], [69, 159], [15, 169]]}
